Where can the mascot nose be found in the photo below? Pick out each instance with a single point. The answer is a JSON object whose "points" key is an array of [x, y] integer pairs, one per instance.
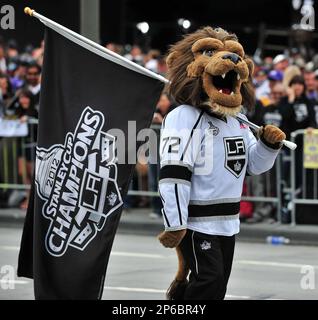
{"points": [[233, 57]]}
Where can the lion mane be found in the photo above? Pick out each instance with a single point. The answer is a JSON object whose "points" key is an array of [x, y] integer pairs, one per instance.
{"points": [[208, 68]]}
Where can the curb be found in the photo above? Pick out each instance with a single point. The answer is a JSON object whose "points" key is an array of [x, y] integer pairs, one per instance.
{"points": [[139, 223], [298, 235]]}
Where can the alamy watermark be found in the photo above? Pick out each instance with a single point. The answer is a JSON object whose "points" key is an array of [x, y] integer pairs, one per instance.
{"points": [[307, 281], [7, 277], [7, 17], [142, 147], [307, 11]]}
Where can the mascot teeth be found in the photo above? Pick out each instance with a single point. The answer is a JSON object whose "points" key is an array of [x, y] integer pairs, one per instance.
{"points": [[226, 82], [238, 77]]}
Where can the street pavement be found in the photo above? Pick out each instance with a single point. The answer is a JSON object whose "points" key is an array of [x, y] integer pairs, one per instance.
{"points": [[141, 269]]}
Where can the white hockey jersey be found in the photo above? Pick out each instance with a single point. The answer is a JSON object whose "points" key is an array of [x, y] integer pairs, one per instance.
{"points": [[204, 160]]}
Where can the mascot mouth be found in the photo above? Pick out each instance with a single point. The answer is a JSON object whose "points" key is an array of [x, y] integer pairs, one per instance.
{"points": [[228, 83], [224, 89]]}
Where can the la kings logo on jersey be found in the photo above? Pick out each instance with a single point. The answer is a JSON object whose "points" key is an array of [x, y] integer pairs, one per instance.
{"points": [[235, 155], [78, 182]]}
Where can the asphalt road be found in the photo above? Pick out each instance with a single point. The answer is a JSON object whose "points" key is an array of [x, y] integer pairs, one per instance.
{"points": [[141, 269]]}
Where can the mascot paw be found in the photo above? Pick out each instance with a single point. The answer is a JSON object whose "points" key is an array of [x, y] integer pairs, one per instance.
{"points": [[171, 239], [272, 135], [176, 290]]}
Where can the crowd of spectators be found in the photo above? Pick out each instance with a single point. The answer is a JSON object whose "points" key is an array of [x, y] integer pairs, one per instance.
{"points": [[20, 85], [20, 76], [286, 89]]}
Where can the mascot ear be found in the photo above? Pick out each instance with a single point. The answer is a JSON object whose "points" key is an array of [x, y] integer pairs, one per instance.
{"points": [[170, 59], [250, 65]]}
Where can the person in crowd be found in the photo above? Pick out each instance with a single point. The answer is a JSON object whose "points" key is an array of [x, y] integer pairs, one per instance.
{"points": [[26, 76], [255, 115], [274, 77], [115, 47], [162, 66], [135, 55], [316, 78], [38, 54], [290, 72], [164, 106], [316, 101], [280, 62], [261, 83], [17, 73], [12, 50], [26, 107], [298, 113], [6, 93], [268, 62], [26, 110], [271, 115], [311, 85], [297, 109], [263, 92], [3, 60], [33, 82], [151, 60]]}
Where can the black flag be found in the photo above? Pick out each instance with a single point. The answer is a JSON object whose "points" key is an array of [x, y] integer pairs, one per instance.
{"points": [[79, 183]]}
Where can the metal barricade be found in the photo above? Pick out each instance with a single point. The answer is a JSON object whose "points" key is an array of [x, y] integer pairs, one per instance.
{"points": [[150, 188], [17, 156], [269, 188], [303, 181]]}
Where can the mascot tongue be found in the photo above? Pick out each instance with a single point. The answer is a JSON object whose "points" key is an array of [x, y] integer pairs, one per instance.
{"points": [[225, 90]]}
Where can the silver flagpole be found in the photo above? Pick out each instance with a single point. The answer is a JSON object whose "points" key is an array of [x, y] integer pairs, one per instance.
{"points": [[120, 59], [286, 143], [125, 62]]}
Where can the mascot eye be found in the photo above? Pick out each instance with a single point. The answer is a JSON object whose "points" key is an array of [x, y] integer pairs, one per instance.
{"points": [[208, 52]]}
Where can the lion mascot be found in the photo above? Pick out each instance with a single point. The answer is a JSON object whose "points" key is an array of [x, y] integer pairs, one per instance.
{"points": [[205, 153]]}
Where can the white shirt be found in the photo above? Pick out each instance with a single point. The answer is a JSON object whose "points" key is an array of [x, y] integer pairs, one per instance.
{"points": [[35, 89], [263, 90], [204, 160]]}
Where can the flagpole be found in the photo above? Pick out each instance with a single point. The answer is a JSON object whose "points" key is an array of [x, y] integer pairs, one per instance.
{"points": [[50, 23]]}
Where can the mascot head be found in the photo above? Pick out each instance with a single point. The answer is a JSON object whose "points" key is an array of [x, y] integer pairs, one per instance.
{"points": [[208, 68]]}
